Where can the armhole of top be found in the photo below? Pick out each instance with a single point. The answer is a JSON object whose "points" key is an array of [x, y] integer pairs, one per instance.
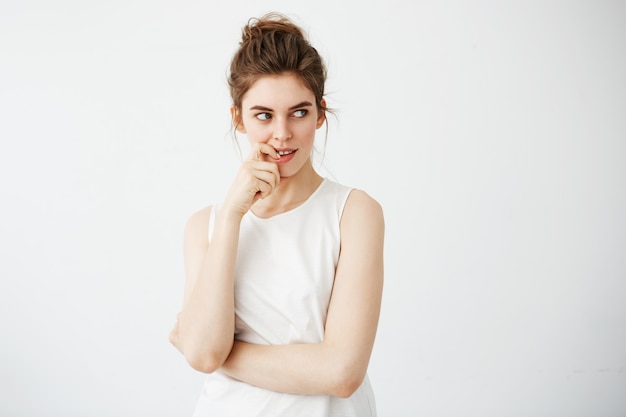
{"points": [[342, 202], [212, 215]]}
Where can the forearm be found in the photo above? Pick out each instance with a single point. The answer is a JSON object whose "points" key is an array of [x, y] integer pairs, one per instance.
{"points": [[206, 324], [312, 369]]}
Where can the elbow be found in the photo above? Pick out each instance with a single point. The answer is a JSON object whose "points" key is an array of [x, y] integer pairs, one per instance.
{"points": [[346, 383], [209, 359], [204, 356], [206, 362]]}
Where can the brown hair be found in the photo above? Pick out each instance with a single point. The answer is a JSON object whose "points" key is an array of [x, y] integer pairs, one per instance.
{"points": [[274, 45]]}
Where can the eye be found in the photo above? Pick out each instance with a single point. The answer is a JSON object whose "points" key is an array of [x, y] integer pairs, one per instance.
{"points": [[263, 116], [300, 113]]}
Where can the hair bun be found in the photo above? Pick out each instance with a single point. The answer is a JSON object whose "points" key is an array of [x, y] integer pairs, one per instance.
{"points": [[250, 32], [271, 22]]}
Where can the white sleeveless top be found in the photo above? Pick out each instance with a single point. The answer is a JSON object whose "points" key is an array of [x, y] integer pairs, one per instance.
{"points": [[283, 281]]}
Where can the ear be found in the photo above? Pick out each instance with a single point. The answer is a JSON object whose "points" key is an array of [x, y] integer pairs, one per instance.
{"points": [[236, 119], [321, 117]]}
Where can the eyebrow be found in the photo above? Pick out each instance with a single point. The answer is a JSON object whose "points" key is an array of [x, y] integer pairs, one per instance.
{"points": [[299, 105]]}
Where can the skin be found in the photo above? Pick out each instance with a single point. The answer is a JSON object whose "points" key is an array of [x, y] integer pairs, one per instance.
{"points": [[278, 113]]}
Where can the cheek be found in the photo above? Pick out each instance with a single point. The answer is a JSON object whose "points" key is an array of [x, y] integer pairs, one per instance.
{"points": [[256, 133], [306, 131]]}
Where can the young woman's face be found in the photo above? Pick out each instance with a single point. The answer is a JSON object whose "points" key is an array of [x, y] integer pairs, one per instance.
{"points": [[281, 111]]}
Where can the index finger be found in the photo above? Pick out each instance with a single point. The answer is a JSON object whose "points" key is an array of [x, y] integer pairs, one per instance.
{"points": [[263, 149]]}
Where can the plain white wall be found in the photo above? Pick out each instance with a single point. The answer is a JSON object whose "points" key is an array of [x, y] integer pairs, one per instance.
{"points": [[493, 133]]}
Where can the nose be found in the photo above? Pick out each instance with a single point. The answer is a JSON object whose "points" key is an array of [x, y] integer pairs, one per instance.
{"points": [[282, 131]]}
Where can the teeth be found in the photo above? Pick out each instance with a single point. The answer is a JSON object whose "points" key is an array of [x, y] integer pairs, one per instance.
{"points": [[282, 153]]}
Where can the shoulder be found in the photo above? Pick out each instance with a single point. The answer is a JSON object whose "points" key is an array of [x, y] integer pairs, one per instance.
{"points": [[361, 202], [355, 199], [362, 231], [362, 210], [196, 228]]}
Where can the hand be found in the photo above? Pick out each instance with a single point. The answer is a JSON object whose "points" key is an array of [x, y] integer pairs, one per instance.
{"points": [[257, 178]]}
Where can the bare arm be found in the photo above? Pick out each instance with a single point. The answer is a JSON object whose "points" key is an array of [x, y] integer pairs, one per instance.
{"points": [[204, 329], [338, 364]]}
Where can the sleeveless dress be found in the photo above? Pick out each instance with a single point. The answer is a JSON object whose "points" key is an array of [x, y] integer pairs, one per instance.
{"points": [[284, 276]]}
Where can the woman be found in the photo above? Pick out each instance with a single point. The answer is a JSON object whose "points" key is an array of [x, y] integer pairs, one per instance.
{"points": [[284, 277]]}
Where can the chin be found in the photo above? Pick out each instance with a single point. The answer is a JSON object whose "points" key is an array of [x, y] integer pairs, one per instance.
{"points": [[285, 174]]}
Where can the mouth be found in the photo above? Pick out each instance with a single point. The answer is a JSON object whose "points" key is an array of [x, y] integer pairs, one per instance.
{"points": [[285, 152], [284, 155]]}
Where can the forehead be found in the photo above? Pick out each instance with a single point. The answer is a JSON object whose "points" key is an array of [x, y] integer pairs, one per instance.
{"points": [[277, 91]]}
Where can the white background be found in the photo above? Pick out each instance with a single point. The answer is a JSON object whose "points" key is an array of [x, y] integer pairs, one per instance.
{"points": [[493, 134]]}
